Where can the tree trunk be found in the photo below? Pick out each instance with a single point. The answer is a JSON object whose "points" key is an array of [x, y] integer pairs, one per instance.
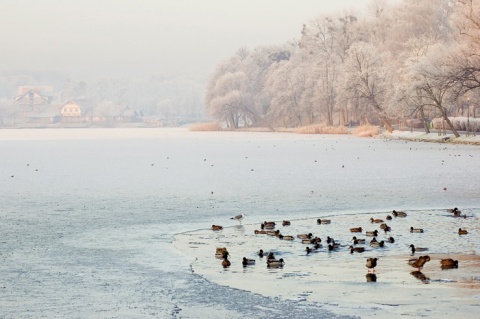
{"points": [[445, 117], [387, 124], [425, 124]]}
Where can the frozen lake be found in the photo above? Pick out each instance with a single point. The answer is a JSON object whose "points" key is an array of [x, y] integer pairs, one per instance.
{"points": [[89, 217]]}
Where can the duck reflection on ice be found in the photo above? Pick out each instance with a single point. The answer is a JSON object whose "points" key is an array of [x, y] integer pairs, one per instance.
{"points": [[371, 277], [420, 276]]}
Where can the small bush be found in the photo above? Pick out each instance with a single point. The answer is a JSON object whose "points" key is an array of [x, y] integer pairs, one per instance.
{"points": [[321, 129], [366, 130], [213, 126]]}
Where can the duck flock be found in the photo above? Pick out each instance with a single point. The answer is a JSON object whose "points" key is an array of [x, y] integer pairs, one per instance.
{"points": [[361, 238]]}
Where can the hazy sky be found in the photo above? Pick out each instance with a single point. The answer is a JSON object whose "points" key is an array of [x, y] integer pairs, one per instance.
{"points": [[137, 38]]}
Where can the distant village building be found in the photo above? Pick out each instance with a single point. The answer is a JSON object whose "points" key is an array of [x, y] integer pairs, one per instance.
{"points": [[35, 96], [77, 110]]}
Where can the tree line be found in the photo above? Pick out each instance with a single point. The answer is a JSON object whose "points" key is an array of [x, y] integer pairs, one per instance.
{"points": [[405, 60]]}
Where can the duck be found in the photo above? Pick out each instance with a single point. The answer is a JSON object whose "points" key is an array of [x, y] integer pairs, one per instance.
{"points": [[391, 239], [377, 244], [333, 246], [260, 232], [288, 237], [226, 263], [286, 223], [273, 263], [371, 264], [419, 262], [260, 253], [324, 221], [357, 241], [317, 246], [217, 227], [377, 221], [305, 236], [356, 229], [416, 230], [316, 240], [221, 251], [273, 233], [372, 233], [356, 249], [269, 224], [399, 214], [310, 250], [270, 256], [414, 249], [387, 229], [449, 263], [330, 240], [462, 231], [453, 210], [388, 217], [246, 262]]}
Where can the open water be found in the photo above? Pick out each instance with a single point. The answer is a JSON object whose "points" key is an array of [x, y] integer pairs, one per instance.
{"points": [[89, 218]]}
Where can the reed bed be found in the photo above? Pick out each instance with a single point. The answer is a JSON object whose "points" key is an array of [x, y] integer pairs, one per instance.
{"points": [[321, 129], [211, 126]]}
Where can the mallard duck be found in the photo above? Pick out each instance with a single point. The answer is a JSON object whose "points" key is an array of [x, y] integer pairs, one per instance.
{"points": [[356, 249], [270, 256], [387, 229], [377, 244], [246, 262], [388, 217], [226, 263], [377, 221], [275, 263], [269, 224], [305, 236], [260, 232], [391, 239], [316, 240], [323, 221], [260, 253], [333, 245], [286, 223], [288, 237], [357, 241], [453, 210], [414, 249], [310, 250], [372, 233], [419, 262], [449, 263], [217, 227], [416, 230], [356, 229], [273, 233], [371, 264], [462, 231], [399, 214]]}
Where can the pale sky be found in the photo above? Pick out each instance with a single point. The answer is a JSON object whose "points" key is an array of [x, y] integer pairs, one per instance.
{"points": [[138, 38]]}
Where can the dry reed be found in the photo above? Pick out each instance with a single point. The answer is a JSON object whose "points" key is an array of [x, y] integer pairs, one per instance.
{"points": [[321, 129], [212, 126], [366, 130]]}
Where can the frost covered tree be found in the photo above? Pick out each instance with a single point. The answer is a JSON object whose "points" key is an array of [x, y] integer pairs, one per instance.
{"points": [[365, 78]]}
